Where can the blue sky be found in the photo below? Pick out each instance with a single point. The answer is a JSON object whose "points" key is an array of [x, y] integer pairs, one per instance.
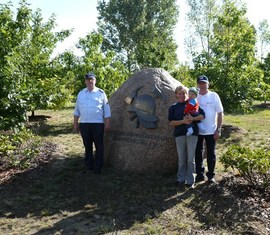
{"points": [[82, 16]]}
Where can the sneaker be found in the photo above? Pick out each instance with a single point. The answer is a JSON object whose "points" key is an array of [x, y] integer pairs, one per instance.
{"points": [[212, 181], [190, 185], [179, 184]]}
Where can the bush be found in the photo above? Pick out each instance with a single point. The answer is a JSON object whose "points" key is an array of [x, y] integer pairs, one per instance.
{"points": [[252, 164], [23, 150]]}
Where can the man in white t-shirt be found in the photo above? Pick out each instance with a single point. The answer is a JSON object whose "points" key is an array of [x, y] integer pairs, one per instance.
{"points": [[211, 104]]}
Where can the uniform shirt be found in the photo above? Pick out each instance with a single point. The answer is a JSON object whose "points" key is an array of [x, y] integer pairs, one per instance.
{"points": [[92, 106], [176, 112], [211, 104]]}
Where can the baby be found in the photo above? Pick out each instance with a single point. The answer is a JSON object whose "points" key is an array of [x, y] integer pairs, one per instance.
{"points": [[192, 108]]}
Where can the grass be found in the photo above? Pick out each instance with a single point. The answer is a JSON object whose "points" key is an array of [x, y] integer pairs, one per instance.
{"points": [[63, 198]]}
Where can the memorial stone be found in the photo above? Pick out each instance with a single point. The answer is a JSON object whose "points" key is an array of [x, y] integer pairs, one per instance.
{"points": [[140, 138]]}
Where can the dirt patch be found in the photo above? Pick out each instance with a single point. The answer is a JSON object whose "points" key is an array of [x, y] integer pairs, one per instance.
{"points": [[227, 130]]}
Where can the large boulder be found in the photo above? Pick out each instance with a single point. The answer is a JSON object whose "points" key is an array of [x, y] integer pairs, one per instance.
{"points": [[140, 139]]}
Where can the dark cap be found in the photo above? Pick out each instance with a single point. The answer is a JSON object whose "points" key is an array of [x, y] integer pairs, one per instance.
{"points": [[202, 78], [90, 76]]}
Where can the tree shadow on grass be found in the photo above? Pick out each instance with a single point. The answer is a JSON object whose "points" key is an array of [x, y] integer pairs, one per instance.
{"points": [[39, 125], [80, 202], [55, 130], [44, 129], [83, 201]]}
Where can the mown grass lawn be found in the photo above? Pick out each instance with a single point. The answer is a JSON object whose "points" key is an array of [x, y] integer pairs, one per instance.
{"points": [[63, 198]]}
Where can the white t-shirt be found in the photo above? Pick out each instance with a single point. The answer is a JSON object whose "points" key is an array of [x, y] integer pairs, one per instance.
{"points": [[211, 104]]}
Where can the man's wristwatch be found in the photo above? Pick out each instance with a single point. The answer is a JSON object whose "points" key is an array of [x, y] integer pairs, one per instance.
{"points": [[219, 130]]}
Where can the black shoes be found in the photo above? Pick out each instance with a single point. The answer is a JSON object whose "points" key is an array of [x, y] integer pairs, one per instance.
{"points": [[199, 179], [97, 171], [209, 181]]}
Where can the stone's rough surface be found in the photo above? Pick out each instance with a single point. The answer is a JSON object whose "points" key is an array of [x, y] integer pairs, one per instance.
{"points": [[130, 145]]}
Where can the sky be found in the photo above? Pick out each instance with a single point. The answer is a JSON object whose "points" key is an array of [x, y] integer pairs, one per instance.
{"points": [[81, 15]]}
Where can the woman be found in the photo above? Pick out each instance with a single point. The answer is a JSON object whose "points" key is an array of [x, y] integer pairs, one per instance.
{"points": [[185, 145]]}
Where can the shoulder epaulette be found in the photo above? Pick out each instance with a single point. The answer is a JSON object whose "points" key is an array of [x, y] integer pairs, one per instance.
{"points": [[101, 90]]}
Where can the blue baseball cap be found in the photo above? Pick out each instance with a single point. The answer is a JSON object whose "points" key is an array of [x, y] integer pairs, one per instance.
{"points": [[90, 76], [202, 78]]}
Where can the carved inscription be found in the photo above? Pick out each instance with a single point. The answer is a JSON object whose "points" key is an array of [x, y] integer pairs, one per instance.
{"points": [[141, 139]]}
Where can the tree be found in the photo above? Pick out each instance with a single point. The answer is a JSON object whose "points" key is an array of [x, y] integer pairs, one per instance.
{"points": [[139, 31], [27, 77], [228, 57], [234, 72], [201, 18], [263, 90], [263, 36], [110, 72], [182, 74]]}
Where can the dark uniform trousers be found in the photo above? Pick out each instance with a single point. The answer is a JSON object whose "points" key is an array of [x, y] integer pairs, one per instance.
{"points": [[93, 133]]}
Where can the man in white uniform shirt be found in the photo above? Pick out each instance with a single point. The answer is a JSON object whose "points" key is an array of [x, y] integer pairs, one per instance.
{"points": [[93, 110], [211, 104]]}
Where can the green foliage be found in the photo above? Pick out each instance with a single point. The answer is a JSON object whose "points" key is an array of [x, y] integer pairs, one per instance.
{"points": [[110, 72], [263, 36], [182, 74], [201, 18], [12, 112], [17, 150], [139, 32], [230, 60], [23, 150], [27, 77], [252, 164], [263, 90]]}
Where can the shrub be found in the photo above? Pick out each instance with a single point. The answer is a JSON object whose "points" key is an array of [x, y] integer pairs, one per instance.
{"points": [[23, 150], [252, 164]]}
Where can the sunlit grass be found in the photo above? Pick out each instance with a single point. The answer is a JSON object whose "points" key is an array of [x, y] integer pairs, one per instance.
{"points": [[257, 122], [255, 126], [254, 131], [58, 128]]}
